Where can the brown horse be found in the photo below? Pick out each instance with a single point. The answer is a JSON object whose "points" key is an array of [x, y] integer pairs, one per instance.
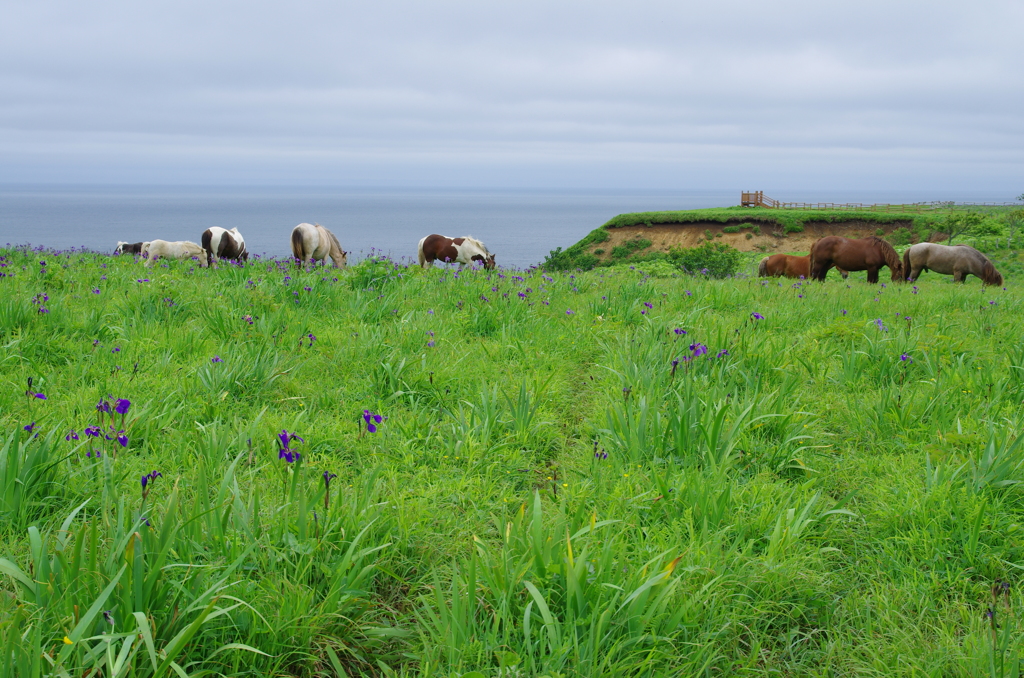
{"points": [[788, 265], [958, 261], [463, 250], [866, 254]]}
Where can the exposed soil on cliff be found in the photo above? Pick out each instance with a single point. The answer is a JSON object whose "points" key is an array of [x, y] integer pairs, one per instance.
{"points": [[746, 236]]}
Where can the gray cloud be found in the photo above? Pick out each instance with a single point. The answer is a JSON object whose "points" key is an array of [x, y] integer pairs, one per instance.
{"points": [[571, 94]]}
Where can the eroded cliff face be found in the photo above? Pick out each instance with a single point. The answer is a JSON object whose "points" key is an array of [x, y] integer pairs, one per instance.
{"points": [[744, 235]]}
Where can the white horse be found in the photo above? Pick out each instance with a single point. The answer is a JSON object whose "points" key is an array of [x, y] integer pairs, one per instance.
{"points": [[182, 249], [314, 242], [224, 244], [464, 250]]}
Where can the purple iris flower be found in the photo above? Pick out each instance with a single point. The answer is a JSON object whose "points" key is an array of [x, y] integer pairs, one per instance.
{"points": [[906, 358], [103, 406], [30, 427], [648, 304], [698, 350], [721, 354], [92, 431], [216, 359], [371, 420], [756, 316], [284, 440], [122, 438], [122, 405]]}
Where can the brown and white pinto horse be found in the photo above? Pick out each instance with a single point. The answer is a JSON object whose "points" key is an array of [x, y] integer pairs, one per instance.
{"points": [[790, 266], [865, 254], [314, 242], [221, 243], [463, 250]]}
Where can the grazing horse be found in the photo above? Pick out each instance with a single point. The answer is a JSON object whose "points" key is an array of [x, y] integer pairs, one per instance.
{"points": [[314, 242], [221, 243], [129, 247], [958, 260], [790, 266], [866, 254], [182, 249], [463, 250]]}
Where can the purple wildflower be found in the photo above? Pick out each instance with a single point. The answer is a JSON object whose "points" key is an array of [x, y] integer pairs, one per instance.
{"points": [[906, 358], [122, 406], [103, 406], [721, 354], [92, 431], [30, 427], [71, 436], [756, 316], [698, 350], [371, 420], [122, 438], [679, 331], [216, 359]]}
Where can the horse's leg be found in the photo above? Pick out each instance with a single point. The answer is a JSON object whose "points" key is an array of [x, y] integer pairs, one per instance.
{"points": [[820, 270], [915, 273], [959, 275], [873, 275]]}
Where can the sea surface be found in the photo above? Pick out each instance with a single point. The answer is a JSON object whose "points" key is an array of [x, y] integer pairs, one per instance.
{"points": [[520, 227]]}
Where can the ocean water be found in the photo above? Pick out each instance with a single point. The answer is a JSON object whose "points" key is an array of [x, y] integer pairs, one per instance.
{"points": [[520, 227]]}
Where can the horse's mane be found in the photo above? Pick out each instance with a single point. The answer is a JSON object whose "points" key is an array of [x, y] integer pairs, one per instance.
{"points": [[473, 241], [334, 242], [989, 274], [892, 259]]}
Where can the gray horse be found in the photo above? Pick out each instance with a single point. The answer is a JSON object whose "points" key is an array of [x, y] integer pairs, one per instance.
{"points": [[958, 261]]}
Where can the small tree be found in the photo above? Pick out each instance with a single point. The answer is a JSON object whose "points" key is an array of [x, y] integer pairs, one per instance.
{"points": [[959, 223]]}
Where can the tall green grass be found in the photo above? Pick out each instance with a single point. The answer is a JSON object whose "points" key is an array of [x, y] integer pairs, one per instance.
{"points": [[601, 473]]}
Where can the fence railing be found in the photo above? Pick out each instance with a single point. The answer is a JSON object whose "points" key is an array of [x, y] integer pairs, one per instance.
{"points": [[759, 199]]}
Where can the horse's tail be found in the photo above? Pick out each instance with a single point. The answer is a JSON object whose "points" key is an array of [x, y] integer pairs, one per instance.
{"points": [[892, 258], [810, 260], [207, 241], [990, 276], [907, 266], [419, 252], [762, 268], [298, 244]]}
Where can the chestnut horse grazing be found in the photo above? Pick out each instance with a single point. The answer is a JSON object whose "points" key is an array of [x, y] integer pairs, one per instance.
{"points": [[790, 266], [866, 254], [221, 243], [314, 242], [958, 261], [463, 250]]}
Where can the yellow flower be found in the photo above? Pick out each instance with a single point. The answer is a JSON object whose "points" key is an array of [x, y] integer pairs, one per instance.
{"points": [[68, 641]]}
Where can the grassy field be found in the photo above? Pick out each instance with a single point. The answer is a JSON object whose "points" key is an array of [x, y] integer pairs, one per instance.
{"points": [[504, 473]]}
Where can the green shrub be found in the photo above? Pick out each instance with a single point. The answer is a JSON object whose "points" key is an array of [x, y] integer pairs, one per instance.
{"points": [[716, 260], [629, 247], [901, 236], [707, 234], [794, 227], [880, 232], [731, 229], [599, 251], [757, 229], [750, 236]]}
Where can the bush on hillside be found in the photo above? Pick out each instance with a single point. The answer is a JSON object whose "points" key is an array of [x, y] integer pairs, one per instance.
{"points": [[713, 259]]}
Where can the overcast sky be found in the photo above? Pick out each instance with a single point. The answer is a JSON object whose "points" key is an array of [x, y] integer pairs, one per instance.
{"points": [[733, 94]]}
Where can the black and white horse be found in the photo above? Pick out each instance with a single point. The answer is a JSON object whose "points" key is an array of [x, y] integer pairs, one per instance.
{"points": [[221, 243], [129, 247]]}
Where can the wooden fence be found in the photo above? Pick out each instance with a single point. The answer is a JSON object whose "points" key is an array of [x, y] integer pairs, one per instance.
{"points": [[759, 199]]}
